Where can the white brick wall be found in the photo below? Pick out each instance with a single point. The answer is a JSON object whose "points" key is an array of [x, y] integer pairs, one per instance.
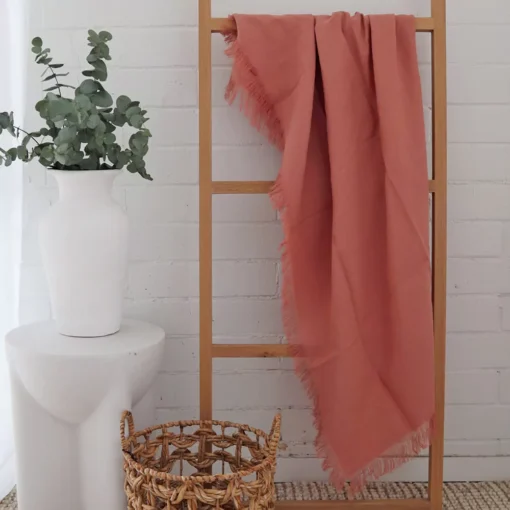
{"points": [[155, 59]]}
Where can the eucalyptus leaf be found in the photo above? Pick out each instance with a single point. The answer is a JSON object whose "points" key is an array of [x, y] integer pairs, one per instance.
{"points": [[89, 87], [102, 99], [66, 135], [47, 153], [56, 66], [93, 121], [136, 121], [37, 41], [83, 102], [133, 110], [22, 152], [123, 103], [94, 37], [105, 36], [4, 120], [109, 138], [52, 77]]}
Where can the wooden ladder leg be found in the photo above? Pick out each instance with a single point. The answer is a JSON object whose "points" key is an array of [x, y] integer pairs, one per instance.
{"points": [[205, 229], [439, 104]]}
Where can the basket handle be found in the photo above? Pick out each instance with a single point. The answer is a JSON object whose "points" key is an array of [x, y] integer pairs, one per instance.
{"points": [[275, 434], [127, 416]]}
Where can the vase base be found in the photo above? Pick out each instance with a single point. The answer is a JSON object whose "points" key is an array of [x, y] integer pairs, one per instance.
{"points": [[75, 333]]}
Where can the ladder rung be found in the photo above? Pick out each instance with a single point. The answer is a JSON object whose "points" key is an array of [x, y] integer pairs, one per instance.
{"points": [[241, 187], [250, 351], [221, 24], [259, 187]]}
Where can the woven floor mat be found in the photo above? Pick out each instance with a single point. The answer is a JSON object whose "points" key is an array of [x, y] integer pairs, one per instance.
{"points": [[457, 496]]}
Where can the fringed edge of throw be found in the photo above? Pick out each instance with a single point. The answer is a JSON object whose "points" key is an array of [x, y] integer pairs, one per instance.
{"points": [[391, 460], [255, 104]]}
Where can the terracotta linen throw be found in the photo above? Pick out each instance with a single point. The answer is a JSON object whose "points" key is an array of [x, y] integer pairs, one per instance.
{"points": [[341, 96]]}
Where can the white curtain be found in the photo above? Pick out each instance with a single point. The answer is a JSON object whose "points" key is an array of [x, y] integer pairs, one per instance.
{"points": [[12, 58]]}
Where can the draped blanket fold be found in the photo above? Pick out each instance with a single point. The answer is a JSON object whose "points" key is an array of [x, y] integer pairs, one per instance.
{"points": [[340, 95]]}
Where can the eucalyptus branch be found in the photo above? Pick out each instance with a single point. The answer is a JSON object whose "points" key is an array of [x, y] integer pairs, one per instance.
{"points": [[56, 80], [27, 133], [81, 128]]}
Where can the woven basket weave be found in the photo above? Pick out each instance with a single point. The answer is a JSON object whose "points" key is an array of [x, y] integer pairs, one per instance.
{"points": [[199, 465]]}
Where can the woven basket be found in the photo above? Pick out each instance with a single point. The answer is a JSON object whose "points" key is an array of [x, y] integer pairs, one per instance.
{"points": [[199, 465]]}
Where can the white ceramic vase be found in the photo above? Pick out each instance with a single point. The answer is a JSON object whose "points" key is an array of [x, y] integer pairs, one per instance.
{"points": [[84, 240]]}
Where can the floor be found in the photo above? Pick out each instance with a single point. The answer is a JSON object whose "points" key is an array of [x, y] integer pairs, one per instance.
{"points": [[457, 496]]}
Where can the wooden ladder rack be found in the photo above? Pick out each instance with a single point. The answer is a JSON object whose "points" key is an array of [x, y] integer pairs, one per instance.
{"points": [[436, 26]]}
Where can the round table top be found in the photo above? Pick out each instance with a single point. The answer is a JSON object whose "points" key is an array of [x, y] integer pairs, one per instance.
{"points": [[43, 338]]}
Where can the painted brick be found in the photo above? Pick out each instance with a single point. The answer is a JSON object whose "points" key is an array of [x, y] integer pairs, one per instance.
{"points": [[167, 165], [478, 84], [253, 278], [176, 317], [493, 41], [164, 280], [176, 390], [426, 83], [254, 163], [180, 279], [162, 204], [505, 304], [473, 313], [164, 242], [504, 387], [479, 201], [240, 208], [173, 127], [247, 241], [480, 387], [478, 276], [507, 239], [298, 425], [224, 7], [242, 316], [475, 239], [230, 127], [220, 79], [99, 13], [477, 422], [181, 354], [479, 123], [472, 448], [168, 86], [478, 162], [471, 351], [274, 389], [472, 11]]}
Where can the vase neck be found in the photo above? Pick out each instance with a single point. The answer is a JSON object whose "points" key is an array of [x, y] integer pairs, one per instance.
{"points": [[85, 184]]}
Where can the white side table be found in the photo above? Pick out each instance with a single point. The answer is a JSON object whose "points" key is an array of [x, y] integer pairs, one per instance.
{"points": [[68, 395]]}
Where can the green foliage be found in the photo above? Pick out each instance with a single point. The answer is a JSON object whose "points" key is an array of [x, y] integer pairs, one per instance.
{"points": [[80, 131]]}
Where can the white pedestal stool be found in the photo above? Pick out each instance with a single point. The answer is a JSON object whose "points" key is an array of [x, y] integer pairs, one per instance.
{"points": [[68, 394]]}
